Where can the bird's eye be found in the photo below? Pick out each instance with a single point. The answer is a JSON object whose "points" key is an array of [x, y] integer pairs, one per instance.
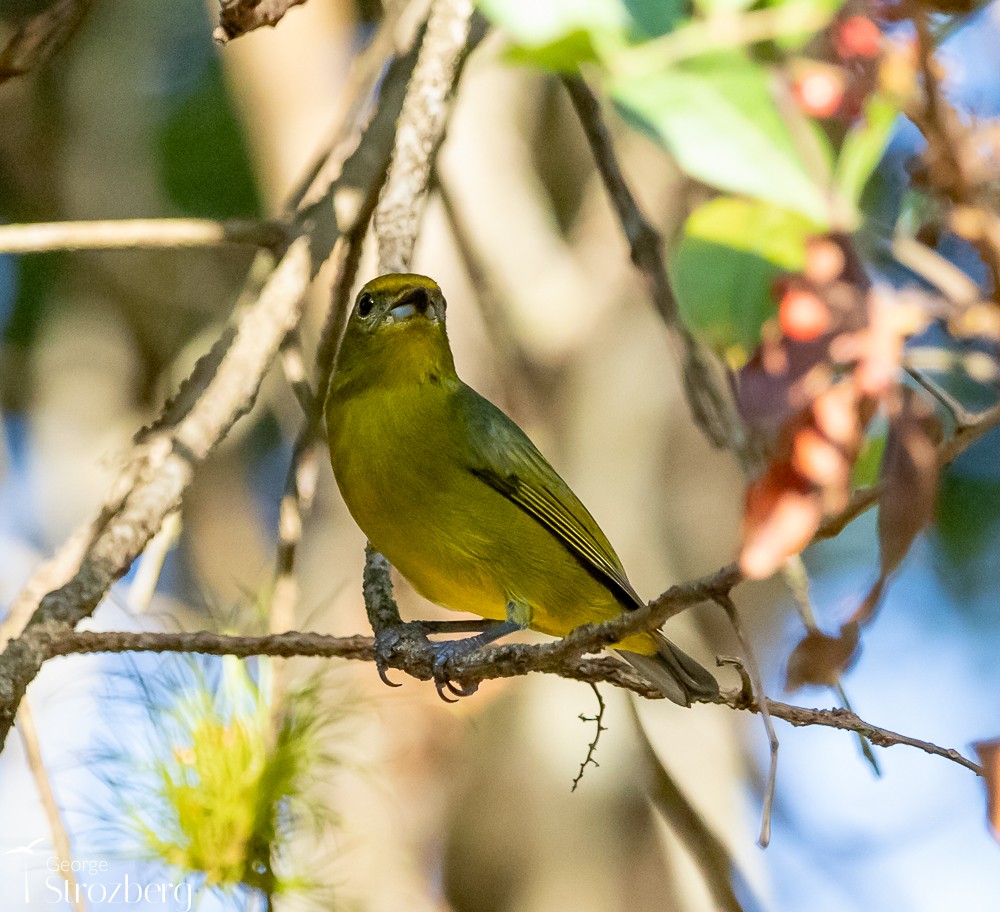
{"points": [[365, 304]]}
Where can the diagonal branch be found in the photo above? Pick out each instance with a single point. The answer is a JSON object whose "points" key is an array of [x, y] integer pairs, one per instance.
{"points": [[710, 404], [223, 389], [421, 129]]}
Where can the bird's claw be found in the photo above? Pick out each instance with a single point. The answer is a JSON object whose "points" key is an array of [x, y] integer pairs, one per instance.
{"points": [[385, 643], [442, 680]]}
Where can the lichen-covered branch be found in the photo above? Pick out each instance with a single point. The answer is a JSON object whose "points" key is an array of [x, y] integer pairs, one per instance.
{"points": [[421, 129], [162, 464], [416, 657]]}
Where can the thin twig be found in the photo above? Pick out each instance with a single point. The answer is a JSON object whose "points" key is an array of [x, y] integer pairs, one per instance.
{"points": [[845, 720], [757, 681], [169, 233], [60, 837]]}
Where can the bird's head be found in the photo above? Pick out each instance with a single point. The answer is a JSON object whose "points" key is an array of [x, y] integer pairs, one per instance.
{"points": [[395, 333]]}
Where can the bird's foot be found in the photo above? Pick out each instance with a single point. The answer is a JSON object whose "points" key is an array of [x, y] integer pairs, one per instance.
{"points": [[451, 649], [443, 654], [387, 641]]}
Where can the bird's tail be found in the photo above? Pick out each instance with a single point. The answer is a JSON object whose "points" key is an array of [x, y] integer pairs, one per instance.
{"points": [[679, 677]]}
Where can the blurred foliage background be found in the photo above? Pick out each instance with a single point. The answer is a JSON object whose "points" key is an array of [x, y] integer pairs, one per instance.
{"points": [[469, 807]]}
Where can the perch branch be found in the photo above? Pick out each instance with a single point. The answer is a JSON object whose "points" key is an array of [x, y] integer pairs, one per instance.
{"points": [[417, 659]]}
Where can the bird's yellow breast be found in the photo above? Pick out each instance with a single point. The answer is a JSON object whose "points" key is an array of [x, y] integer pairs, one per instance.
{"points": [[459, 542]]}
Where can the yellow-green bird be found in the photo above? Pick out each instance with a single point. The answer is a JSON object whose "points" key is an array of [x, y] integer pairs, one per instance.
{"points": [[458, 498]]}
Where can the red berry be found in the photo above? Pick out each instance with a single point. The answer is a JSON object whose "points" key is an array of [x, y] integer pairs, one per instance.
{"points": [[817, 459], [820, 91], [802, 315], [858, 36]]}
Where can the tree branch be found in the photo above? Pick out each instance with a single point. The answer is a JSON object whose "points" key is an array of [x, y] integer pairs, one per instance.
{"points": [[710, 404], [421, 129], [417, 659], [172, 233], [161, 466]]}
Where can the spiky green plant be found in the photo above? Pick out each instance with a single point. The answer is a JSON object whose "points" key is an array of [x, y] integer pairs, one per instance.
{"points": [[226, 779]]}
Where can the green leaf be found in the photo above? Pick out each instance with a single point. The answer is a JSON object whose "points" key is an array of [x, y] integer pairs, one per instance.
{"points": [[866, 467], [863, 147], [723, 270], [202, 154], [562, 34], [535, 24], [717, 116]]}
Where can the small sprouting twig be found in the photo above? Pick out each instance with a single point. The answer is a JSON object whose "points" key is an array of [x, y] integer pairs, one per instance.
{"points": [[753, 669], [709, 402], [124, 234], [600, 727]]}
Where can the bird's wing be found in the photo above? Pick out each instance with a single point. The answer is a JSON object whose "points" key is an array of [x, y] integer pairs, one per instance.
{"points": [[506, 460]]}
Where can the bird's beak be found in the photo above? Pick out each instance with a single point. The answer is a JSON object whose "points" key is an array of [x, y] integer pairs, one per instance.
{"points": [[416, 303]]}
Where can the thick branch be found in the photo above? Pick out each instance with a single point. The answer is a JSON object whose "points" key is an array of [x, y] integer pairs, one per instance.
{"points": [[421, 128], [159, 469]]}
